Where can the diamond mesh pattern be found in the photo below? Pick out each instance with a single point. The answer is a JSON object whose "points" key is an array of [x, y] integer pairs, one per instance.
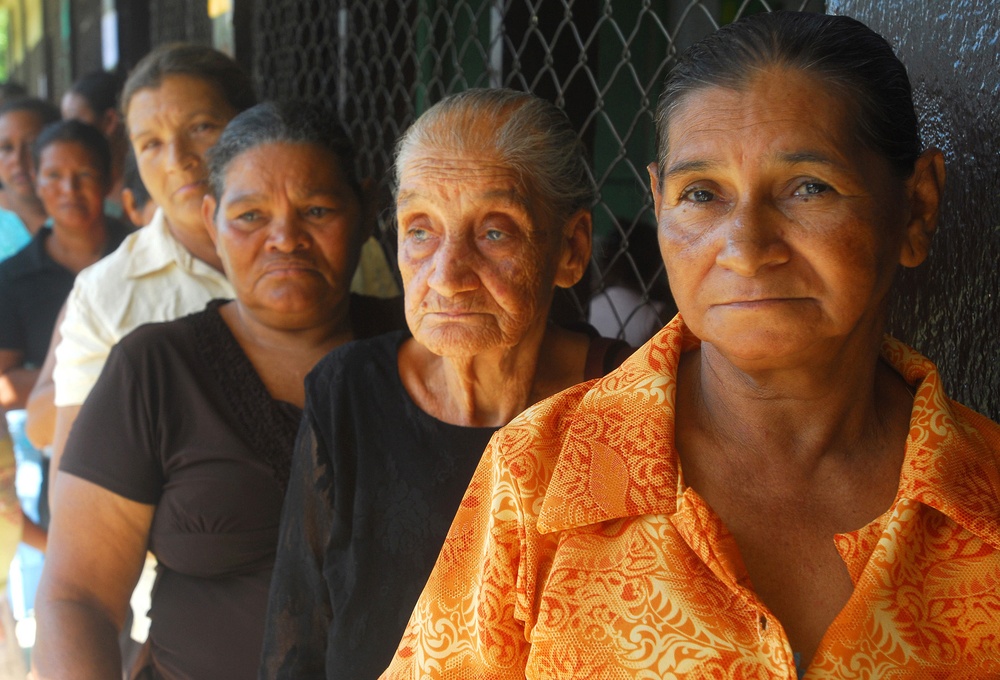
{"points": [[179, 20], [380, 63]]}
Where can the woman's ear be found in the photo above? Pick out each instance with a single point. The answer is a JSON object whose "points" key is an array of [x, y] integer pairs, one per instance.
{"points": [[109, 122], [208, 207], [924, 189], [575, 247], [654, 186]]}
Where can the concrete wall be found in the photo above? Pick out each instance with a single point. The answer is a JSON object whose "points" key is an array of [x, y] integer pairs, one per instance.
{"points": [[949, 308]]}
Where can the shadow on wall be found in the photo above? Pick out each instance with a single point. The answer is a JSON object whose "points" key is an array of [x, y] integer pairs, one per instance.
{"points": [[949, 308]]}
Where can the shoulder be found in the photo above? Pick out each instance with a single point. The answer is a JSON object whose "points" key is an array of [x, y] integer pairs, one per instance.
{"points": [[26, 260], [983, 437], [117, 232], [113, 266], [354, 361], [372, 316], [577, 455], [530, 444], [160, 339], [107, 289]]}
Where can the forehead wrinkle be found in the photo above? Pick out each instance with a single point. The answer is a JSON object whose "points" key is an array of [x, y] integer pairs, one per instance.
{"points": [[455, 166], [425, 172], [785, 158], [172, 112], [511, 198], [810, 157]]}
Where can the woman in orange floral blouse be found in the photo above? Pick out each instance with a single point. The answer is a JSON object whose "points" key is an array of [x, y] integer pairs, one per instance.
{"points": [[770, 487]]}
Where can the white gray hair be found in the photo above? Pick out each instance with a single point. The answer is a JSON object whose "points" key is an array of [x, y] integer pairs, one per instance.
{"points": [[531, 136]]}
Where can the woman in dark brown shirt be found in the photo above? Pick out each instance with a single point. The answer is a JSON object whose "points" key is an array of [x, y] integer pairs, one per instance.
{"points": [[184, 444]]}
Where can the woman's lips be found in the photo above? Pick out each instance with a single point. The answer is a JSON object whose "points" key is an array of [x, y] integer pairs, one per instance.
{"points": [[197, 186], [758, 303]]}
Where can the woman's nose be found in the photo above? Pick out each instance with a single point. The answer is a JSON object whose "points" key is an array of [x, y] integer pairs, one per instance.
{"points": [[286, 233], [453, 270], [179, 154], [752, 239], [24, 157]]}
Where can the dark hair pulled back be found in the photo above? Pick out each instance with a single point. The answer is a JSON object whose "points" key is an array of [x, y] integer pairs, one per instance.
{"points": [[839, 50]]}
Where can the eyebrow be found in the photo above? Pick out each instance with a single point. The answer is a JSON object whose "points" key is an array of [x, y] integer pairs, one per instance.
{"points": [[194, 114], [790, 158], [511, 197], [684, 167], [307, 194], [242, 197], [797, 157]]}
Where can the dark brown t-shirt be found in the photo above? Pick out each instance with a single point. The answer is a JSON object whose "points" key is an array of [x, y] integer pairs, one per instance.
{"points": [[179, 419]]}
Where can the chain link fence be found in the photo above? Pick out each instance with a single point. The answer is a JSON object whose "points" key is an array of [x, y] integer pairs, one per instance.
{"points": [[380, 63]]}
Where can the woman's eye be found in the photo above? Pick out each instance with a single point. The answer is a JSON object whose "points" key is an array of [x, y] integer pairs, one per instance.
{"points": [[698, 195], [812, 189], [151, 144], [248, 216], [318, 212], [494, 235], [203, 127], [417, 234]]}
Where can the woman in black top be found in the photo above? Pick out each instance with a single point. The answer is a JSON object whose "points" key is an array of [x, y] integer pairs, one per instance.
{"points": [[72, 163], [493, 207], [184, 444]]}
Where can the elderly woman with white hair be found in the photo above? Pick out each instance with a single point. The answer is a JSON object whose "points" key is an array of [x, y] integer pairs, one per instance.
{"points": [[493, 207]]}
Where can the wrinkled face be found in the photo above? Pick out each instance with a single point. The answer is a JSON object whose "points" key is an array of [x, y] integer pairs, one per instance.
{"points": [[476, 253], [71, 185], [18, 130], [76, 107], [171, 128], [779, 231], [288, 232]]}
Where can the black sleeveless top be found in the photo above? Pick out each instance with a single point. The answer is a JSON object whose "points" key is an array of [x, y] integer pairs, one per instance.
{"points": [[374, 487]]}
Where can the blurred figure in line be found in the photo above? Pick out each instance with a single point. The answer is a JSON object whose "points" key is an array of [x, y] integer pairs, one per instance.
{"points": [[93, 99], [176, 102], [73, 162], [21, 211]]}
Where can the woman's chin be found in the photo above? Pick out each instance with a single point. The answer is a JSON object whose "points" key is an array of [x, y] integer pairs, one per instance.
{"points": [[455, 341], [763, 349]]}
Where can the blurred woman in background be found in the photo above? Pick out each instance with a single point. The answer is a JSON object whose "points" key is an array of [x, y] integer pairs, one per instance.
{"points": [[21, 212], [93, 99]]}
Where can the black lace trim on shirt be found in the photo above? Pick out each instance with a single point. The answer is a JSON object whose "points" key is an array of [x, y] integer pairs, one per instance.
{"points": [[271, 425]]}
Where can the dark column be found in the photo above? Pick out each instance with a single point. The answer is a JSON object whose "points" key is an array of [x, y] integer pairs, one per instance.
{"points": [[86, 43], [133, 32]]}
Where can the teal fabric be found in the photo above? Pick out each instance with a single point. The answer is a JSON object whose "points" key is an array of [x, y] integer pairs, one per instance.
{"points": [[13, 234]]}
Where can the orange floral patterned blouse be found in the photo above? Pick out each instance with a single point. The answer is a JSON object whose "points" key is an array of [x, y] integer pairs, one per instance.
{"points": [[579, 553]]}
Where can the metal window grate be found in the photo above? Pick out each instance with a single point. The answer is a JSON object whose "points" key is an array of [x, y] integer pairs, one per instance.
{"points": [[380, 63]]}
